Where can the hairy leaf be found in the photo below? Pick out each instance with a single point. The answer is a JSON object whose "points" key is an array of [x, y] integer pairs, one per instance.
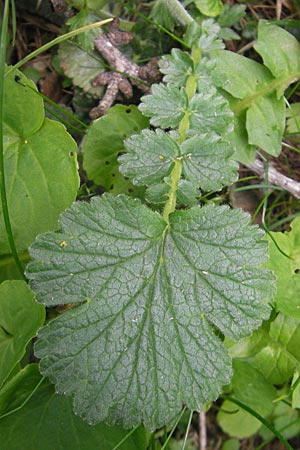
{"points": [[166, 105], [206, 159], [144, 340], [20, 318], [47, 421], [105, 141], [210, 112], [176, 67]]}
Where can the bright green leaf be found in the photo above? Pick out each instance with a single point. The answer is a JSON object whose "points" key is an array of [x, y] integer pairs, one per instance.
{"points": [[209, 8], [165, 106], [280, 51], [296, 391], [250, 387], [287, 269], [143, 342], [236, 421], [20, 318], [103, 144], [41, 180], [274, 349], [47, 422], [19, 93], [254, 85], [266, 122]]}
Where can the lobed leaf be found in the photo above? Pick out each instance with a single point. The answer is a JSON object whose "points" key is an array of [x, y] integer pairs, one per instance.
{"points": [[176, 67], [166, 105], [143, 340]]}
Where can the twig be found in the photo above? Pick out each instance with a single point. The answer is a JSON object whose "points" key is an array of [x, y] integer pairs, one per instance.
{"points": [[124, 71], [202, 431], [277, 178]]}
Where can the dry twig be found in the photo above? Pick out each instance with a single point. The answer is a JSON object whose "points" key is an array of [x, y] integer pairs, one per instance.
{"points": [[125, 72], [275, 177]]}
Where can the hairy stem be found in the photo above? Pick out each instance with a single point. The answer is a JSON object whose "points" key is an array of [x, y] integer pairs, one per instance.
{"points": [[178, 12], [175, 177]]}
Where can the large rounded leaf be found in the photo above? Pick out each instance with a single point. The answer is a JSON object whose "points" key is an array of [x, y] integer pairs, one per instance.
{"points": [[20, 318], [40, 165], [144, 340]]}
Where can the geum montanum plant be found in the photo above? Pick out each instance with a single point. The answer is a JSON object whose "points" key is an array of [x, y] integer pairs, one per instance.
{"points": [[157, 284]]}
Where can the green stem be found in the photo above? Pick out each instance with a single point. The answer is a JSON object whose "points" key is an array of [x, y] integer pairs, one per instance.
{"points": [[55, 41], [191, 88], [4, 202], [175, 177]]}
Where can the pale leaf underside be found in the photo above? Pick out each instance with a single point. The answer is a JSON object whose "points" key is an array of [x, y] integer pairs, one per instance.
{"points": [[144, 340]]}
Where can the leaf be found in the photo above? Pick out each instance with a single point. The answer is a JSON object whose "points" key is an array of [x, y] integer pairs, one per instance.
{"points": [[23, 92], [265, 124], [82, 18], [206, 159], [20, 318], [208, 162], [250, 387], [211, 8], [253, 84], [236, 421], [144, 340], [274, 349], [105, 141], [210, 112], [287, 268], [165, 106], [41, 180], [81, 67], [161, 15], [176, 67], [47, 421], [280, 51], [187, 193], [230, 15]]}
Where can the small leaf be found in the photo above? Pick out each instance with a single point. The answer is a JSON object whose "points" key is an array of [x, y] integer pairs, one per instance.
{"points": [[20, 318], [206, 159], [47, 422], [165, 106], [209, 162], [236, 421], [150, 157], [144, 340], [266, 122], [187, 193], [176, 67], [209, 8], [210, 112], [105, 141], [280, 51], [230, 15], [287, 269]]}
